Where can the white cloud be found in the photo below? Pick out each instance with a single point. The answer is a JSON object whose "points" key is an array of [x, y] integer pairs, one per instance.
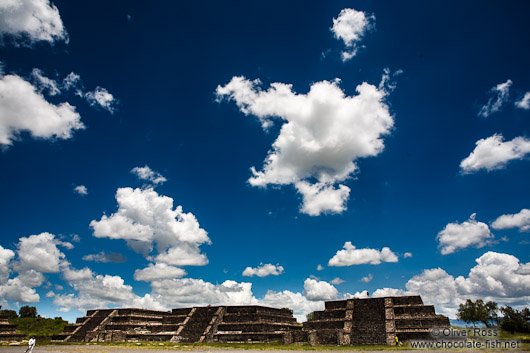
{"points": [[99, 291], [324, 132], [73, 275], [156, 272], [31, 20], [457, 236], [337, 281], [524, 102], [353, 256], [321, 197], [102, 98], [493, 153], [350, 27], [145, 173], [367, 279], [18, 291], [407, 255], [297, 302], [320, 267], [519, 220], [6, 256], [264, 270], [319, 290], [497, 277], [72, 80], [81, 190], [105, 257], [145, 218], [359, 295], [44, 83], [23, 109], [500, 95], [187, 292], [50, 294], [40, 253]]}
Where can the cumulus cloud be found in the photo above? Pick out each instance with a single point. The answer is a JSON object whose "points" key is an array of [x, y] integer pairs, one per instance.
{"points": [[15, 289], [29, 21], [524, 102], [457, 236], [297, 302], [350, 27], [264, 270], [187, 292], [100, 97], [6, 256], [99, 291], [36, 254], [147, 174], [319, 290], [350, 255], [337, 280], [493, 153], [519, 220], [497, 277], [44, 83], [105, 257], [320, 267], [144, 218], [71, 81], [367, 279], [81, 190], [40, 253], [499, 96], [156, 272], [323, 134], [360, 295], [23, 109], [407, 255]]}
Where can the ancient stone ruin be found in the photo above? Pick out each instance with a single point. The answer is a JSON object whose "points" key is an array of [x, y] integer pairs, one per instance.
{"points": [[199, 324], [8, 332], [343, 322], [373, 321]]}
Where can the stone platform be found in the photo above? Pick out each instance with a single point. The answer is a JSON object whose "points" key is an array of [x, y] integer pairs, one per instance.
{"points": [[373, 321]]}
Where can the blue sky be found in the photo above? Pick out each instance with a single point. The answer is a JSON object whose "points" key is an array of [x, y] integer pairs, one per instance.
{"points": [[161, 155]]}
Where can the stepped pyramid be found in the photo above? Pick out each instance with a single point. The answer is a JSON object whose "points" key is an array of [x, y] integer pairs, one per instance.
{"points": [[8, 332], [197, 324], [373, 321]]}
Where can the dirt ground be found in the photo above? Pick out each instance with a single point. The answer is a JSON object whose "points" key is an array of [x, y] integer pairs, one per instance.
{"points": [[117, 349]]}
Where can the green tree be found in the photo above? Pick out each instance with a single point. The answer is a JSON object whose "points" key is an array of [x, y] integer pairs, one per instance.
{"points": [[478, 311], [28, 311], [310, 316], [515, 320]]}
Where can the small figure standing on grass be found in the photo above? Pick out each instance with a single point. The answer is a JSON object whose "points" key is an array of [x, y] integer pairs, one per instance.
{"points": [[397, 341], [31, 345]]}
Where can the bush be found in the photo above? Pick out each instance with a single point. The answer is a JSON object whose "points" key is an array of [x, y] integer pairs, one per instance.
{"points": [[39, 326]]}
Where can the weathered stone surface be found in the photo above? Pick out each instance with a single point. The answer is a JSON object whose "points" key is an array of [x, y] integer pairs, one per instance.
{"points": [[373, 321], [8, 332], [199, 324]]}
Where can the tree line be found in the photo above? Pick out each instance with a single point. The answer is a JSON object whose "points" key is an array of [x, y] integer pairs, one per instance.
{"points": [[512, 320]]}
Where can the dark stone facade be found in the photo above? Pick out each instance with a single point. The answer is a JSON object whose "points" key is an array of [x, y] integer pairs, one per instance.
{"points": [[198, 324], [8, 332], [373, 321]]}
